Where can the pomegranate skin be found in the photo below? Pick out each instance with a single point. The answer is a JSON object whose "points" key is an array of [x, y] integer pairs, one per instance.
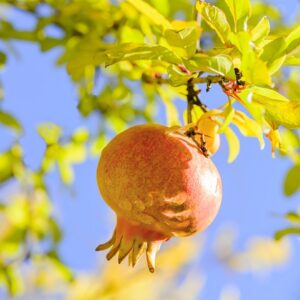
{"points": [[157, 180]]}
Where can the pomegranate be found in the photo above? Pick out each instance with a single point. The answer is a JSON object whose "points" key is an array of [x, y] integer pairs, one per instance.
{"points": [[160, 185]]}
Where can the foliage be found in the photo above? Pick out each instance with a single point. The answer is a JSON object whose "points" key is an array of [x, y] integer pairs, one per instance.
{"points": [[143, 53]]}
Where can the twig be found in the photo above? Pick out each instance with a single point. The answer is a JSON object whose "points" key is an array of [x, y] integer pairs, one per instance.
{"points": [[193, 99]]}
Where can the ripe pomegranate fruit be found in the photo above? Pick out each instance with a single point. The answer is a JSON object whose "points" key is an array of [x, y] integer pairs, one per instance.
{"points": [[160, 185]]}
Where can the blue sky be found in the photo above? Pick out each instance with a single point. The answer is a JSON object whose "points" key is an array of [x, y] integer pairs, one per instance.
{"points": [[36, 91]]}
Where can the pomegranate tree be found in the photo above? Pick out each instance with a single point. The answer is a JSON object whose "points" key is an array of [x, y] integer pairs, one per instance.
{"points": [[160, 185]]}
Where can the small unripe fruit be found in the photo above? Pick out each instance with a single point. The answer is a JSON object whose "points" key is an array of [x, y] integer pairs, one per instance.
{"points": [[160, 185]]}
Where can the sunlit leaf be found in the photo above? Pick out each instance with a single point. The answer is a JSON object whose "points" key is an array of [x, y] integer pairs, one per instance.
{"points": [[274, 137], [261, 30], [293, 40], [248, 127], [250, 64], [151, 13], [240, 11], [133, 52], [287, 231], [228, 117], [66, 172], [10, 121], [177, 77], [215, 18], [171, 110], [292, 181], [81, 135], [218, 64], [49, 132], [266, 95], [13, 280], [184, 40], [293, 217], [3, 59], [274, 50], [131, 35], [98, 144], [285, 114], [233, 144]]}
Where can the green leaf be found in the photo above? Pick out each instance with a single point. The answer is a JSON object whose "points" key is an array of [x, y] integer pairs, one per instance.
{"points": [[13, 280], [267, 96], [219, 64], [287, 231], [171, 109], [242, 40], [10, 121], [151, 13], [98, 144], [276, 64], [274, 50], [49, 132], [228, 117], [292, 181], [285, 114], [261, 30], [184, 41], [250, 64], [73, 152], [293, 217], [66, 172], [177, 77], [215, 18], [6, 167], [293, 40], [134, 52], [3, 59], [278, 109], [81, 135], [292, 61], [131, 35], [77, 65], [163, 6], [248, 127], [240, 11], [233, 144]]}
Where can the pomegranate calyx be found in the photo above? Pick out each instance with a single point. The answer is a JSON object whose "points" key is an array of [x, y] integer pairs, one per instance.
{"points": [[133, 240]]}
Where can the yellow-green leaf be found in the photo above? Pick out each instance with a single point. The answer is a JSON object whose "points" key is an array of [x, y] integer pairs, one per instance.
{"points": [[10, 121], [218, 64], [261, 30], [267, 96], [215, 18], [184, 41], [171, 110], [240, 11], [228, 116], [292, 181], [274, 50], [250, 64], [293, 217], [293, 40], [151, 13], [248, 127], [233, 144], [287, 231], [49, 132], [134, 52]]}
